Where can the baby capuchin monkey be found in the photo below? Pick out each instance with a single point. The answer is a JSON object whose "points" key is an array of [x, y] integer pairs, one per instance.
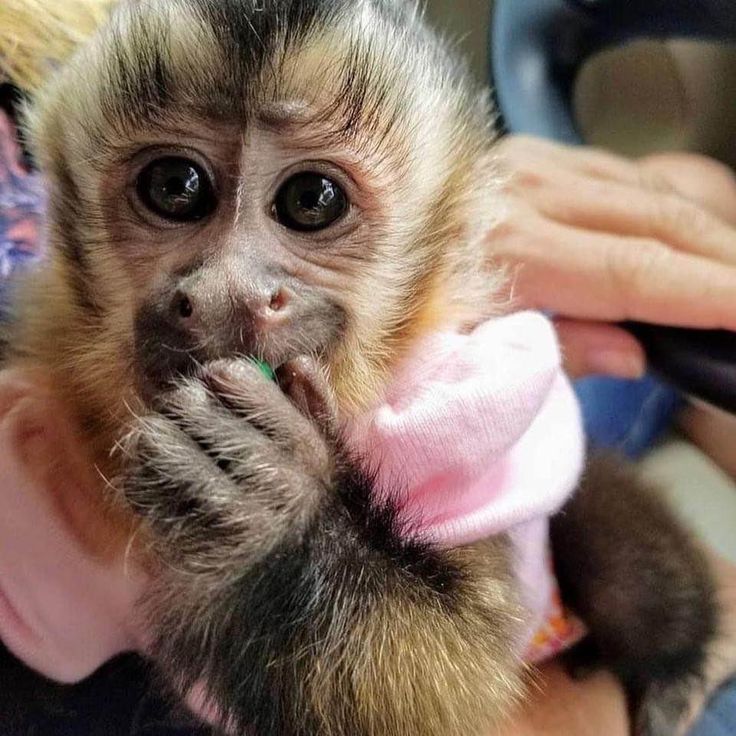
{"points": [[306, 181]]}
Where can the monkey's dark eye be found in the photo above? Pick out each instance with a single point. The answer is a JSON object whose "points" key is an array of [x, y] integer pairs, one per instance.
{"points": [[309, 201], [176, 189]]}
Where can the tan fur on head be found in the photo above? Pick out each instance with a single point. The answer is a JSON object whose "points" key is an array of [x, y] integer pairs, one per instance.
{"points": [[434, 162]]}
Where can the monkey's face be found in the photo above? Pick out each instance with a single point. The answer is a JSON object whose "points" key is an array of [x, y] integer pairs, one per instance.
{"points": [[230, 178], [253, 246]]}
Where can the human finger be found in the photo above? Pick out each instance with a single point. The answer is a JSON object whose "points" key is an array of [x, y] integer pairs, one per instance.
{"points": [[603, 277], [699, 179], [694, 177], [596, 348], [524, 155], [610, 207]]}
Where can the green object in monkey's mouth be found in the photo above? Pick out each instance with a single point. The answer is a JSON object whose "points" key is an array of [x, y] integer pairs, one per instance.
{"points": [[265, 368]]}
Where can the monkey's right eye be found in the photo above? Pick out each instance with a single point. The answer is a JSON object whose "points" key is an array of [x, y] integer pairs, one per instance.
{"points": [[176, 189]]}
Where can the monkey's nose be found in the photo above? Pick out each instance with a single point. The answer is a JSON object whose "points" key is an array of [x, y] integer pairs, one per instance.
{"points": [[260, 311]]}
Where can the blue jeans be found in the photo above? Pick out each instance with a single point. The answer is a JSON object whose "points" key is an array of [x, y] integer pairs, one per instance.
{"points": [[630, 416], [720, 718]]}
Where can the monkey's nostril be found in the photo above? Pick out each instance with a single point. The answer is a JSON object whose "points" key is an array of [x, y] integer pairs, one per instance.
{"points": [[185, 307], [278, 301]]}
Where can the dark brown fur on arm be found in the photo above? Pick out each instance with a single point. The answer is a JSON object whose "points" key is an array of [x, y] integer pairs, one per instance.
{"points": [[642, 585]]}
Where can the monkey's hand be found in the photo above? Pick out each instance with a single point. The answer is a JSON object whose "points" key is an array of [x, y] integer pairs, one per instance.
{"points": [[284, 596], [233, 464]]}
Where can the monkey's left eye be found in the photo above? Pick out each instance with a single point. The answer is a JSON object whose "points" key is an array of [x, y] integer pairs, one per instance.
{"points": [[309, 201], [177, 189]]}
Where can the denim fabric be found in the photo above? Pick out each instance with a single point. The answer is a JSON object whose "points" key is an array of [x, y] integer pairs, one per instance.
{"points": [[627, 416], [720, 718]]}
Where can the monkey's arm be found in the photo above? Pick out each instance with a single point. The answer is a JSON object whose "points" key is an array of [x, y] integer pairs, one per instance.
{"points": [[288, 594]]}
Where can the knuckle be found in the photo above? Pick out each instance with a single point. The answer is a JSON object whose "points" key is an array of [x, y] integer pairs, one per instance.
{"points": [[673, 216], [511, 145], [149, 436], [631, 270], [515, 236], [524, 165], [234, 370], [516, 220], [653, 179], [189, 392], [525, 178]]}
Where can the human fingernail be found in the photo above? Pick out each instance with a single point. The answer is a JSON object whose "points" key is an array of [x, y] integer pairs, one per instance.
{"points": [[616, 363]]}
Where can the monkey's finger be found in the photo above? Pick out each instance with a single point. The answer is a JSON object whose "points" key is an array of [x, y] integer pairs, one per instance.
{"points": [[196, 409], [168, 476], [305, 383], [619, 209], [610, 278], [242, 393], [193, 506], [596, 348]]}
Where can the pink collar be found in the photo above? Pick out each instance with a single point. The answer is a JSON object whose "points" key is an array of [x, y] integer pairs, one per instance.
{"points": [[481, 432]]}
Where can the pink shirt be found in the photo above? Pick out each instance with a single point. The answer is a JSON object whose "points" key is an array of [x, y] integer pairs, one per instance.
{"points": [[481, 433]]}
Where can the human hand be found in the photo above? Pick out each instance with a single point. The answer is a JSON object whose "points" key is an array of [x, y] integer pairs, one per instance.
{"points": [[67, 589], [558, 705], [599, 239]]}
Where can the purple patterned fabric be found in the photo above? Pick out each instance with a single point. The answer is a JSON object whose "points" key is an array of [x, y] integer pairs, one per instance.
{"points": [[21, 206]]}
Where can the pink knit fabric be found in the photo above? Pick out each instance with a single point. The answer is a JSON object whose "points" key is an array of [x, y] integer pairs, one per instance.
{"points": [[482, 434], [479, 433]]}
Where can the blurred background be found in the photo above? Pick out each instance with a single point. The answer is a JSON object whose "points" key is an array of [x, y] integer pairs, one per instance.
{"points": [[647, 96]]}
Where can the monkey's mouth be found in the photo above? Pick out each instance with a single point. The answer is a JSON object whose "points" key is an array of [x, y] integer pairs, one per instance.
{"points": [[164, 355], [162, 361], [170, 367]]}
